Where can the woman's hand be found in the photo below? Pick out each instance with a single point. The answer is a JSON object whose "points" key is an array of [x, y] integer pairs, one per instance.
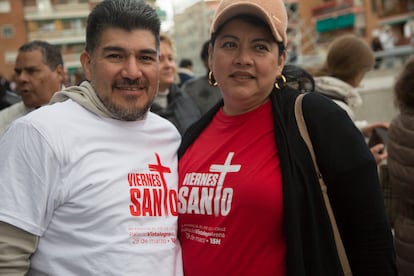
{"points": [[367, 131], [379, 153]]}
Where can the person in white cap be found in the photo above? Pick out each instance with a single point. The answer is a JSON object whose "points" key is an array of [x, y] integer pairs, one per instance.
{"points": [[249, 200]]}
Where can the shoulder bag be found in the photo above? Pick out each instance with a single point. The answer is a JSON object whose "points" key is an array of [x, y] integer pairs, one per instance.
{"points": [[300, 121]]}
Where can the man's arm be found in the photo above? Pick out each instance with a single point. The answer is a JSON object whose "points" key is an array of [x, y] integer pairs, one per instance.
{"points": [[16, 247]]}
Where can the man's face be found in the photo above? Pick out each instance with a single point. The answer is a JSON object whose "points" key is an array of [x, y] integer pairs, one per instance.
{"points": [[124, 71], [36, 82]]}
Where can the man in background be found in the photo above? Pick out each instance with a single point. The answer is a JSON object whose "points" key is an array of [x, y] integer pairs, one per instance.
{"points": [[185, 71], [205, 95], [39, 74]]}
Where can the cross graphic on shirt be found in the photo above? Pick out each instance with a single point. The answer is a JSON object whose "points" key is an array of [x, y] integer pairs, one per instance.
{"points": [[161, 170], [223, 169]]}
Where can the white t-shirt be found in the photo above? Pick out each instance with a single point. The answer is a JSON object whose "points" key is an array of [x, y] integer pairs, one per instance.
{"points": [[11, 113], [100, 193]]}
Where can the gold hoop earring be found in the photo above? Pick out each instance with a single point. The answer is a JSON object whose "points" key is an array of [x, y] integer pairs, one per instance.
{"points": [[280, 82], [211, 80]]}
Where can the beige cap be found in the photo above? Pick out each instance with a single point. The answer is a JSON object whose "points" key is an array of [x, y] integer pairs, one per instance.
{"points": [[271, 11]]}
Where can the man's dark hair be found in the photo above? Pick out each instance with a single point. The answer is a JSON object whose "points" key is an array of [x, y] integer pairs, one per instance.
{"points": [[185, 63], [51, 53], [124, 14]]}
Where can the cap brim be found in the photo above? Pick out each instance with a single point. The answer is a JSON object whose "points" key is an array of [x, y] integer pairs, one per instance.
{"points": [[245, 8]]}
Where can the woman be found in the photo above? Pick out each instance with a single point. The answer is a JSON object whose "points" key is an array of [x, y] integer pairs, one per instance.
{"points": [[170, 102], [249, 198], [348, 59], [401, 168]]}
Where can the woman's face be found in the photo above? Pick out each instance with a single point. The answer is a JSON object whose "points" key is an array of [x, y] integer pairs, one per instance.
{"points": [[168, 67], [245, 62]]}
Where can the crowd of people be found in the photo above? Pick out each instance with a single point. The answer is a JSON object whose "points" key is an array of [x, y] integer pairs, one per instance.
{"points": [[143, 168]]}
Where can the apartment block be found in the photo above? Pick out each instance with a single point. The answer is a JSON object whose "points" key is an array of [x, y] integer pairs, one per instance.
{"points": [[59, 22], [321, 21]]}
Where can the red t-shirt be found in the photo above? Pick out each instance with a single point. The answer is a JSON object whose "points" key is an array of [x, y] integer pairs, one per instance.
{"points": [[230, 198]]}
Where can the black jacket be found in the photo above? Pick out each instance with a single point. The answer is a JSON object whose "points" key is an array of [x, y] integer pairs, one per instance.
{"points": [[181, 109], [350, 173]]}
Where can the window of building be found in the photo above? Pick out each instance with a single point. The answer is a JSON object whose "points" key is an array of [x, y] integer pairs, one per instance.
{"points": [[73, 24], [7, 31], [10, 57], [5, 6], [29, 3], [44, 5], [374, 6], [72, 1], [47, 25], [388, 5]]}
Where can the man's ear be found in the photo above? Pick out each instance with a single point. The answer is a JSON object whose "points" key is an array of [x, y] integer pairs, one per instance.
{"points": [[60, 70], [85, 60]]}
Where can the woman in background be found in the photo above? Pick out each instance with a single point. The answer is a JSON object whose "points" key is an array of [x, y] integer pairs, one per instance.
{"points": [[170, 102], [348, 59], [401, 168]]}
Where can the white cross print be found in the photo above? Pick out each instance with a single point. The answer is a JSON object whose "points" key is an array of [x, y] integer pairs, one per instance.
{"points": [[223, 169]]}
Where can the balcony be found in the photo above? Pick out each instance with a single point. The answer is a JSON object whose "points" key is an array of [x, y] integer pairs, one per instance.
{"points": [[335, 15], [398, 8], [396, 18], [71, 36], [332, 7], [335, 23], [399, 12], [71, 60], [62, 11]]}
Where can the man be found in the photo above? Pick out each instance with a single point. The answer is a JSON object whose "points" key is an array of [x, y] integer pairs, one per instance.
{"points": [[88, 184], [388, 41], [185, 71], [39, 74], [202, 93]]}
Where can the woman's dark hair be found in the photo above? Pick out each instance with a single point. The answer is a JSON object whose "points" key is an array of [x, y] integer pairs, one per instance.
{"points": [[124, 14], [204, 50], [298, 78], [251, 19], [404, 85]]}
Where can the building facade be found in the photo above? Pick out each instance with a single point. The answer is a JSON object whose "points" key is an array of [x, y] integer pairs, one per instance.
{"points": [[325, 20], [59, 22], [312, 25]]}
